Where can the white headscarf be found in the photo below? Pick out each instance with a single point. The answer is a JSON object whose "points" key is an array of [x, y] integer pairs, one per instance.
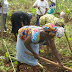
{"points": [[60, 32]]}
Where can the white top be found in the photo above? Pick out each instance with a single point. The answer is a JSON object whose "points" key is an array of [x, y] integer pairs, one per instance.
{"points": [[53, 1], [43, 5], [5, 7]]}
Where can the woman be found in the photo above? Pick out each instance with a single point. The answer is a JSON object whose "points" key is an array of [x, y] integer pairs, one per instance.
{"points": [[49, 18], [29, 38], [42, 7], [17, 18], [5, 11]]}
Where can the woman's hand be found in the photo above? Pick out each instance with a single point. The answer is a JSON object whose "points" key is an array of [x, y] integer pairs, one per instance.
{"points": [[36, 56], [37, 7]]}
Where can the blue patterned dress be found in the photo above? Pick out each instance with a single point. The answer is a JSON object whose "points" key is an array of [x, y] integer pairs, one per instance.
{"points": [[23, 33]]}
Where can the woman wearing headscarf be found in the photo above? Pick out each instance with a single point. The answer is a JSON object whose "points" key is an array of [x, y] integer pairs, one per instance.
{"points": [[29, 38], [49, 18]]}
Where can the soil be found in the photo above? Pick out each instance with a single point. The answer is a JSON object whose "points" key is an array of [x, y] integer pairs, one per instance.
{"points": [[47, 67]]}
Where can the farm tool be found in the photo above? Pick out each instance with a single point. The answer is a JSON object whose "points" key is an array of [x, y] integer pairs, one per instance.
{"points": [[51, 62], [68, 42]]}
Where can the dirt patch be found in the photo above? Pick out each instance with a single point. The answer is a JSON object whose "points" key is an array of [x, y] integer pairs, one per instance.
{"points": [[66, 19], [71, 19], [48, 67], [57, 13]]}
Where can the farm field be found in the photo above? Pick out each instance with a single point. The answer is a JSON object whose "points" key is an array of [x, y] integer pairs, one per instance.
{"points": [[8, 61]]}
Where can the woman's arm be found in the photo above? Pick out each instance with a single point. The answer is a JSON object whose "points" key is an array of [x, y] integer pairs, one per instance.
{"points": [[27, 43], [35, 4], [55, 52]]}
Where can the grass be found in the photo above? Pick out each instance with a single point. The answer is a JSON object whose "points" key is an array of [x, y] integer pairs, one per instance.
{"points": [[26, 6]]}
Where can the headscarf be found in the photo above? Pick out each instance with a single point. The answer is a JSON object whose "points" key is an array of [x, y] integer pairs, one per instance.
{"points": [[53, 30], [50, 29]]}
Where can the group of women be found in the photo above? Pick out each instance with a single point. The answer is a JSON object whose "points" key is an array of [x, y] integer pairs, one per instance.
{"points": [[29, 37]]}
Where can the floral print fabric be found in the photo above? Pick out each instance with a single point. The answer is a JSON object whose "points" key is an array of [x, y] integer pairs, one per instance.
{"points": [[25, 31], [51, 29], [49, 18]]}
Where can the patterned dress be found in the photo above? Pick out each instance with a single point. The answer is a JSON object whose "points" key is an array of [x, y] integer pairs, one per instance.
{"points": [[49, 18], [23, 33]]}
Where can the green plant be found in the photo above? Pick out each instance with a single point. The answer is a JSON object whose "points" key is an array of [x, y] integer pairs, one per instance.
{"points": [[63, 51], [67, 12], [42, 51], [33, 11], [0, 1], [1, 62], [7, 56], [69, 63], [7, 68], [16, 62]]}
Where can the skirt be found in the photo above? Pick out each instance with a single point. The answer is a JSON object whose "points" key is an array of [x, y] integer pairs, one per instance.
{"points": [[21, 56]]}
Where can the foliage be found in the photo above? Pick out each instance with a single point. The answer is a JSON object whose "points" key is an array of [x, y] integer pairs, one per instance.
{"points": [[7, 56], [33, 11], [42, 51], [16, 62], [65, 6], [69, 63]]}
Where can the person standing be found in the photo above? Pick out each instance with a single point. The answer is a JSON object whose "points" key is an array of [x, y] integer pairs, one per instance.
{"points": [[5, 10], [42, 7]]}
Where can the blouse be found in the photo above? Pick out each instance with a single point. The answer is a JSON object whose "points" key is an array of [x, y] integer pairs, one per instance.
{"points": [[25, 31]]}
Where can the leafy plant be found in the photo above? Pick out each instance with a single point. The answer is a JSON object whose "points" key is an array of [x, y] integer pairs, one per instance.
{"points": [[42, 51], [63, 51], [16, 62], [7, 56], [67, 12], [33, 11], [0, 1], [69, 63], [7, 68]]}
